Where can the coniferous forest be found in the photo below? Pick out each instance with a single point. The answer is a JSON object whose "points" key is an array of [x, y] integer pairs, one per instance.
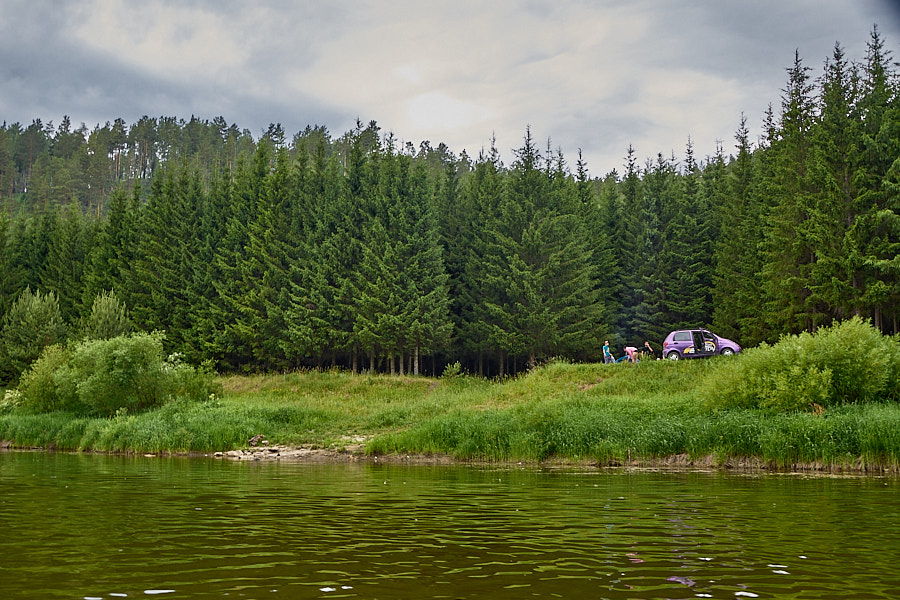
{"points": [[357, 252]]}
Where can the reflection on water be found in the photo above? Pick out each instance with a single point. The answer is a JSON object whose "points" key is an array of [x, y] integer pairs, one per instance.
{"points": [[106, 527]]}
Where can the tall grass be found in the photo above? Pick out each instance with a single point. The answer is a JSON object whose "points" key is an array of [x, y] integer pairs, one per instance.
{"points": [[608, 414]]}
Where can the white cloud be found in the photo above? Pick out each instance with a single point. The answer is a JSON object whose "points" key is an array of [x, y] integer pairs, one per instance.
{"points": [[439, 112]]}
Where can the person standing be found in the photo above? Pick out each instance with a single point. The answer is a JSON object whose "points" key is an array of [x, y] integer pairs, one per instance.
{"points": [[607, 355]]}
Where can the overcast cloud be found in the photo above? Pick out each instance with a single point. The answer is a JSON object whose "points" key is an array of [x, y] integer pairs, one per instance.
{"points": [[595, 76]]}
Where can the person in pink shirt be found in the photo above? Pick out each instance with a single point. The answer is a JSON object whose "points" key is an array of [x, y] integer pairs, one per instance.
{"points": [[631, 351]]}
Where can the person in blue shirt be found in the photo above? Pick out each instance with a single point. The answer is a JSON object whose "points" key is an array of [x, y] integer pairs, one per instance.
{"points": [[607, 355]]}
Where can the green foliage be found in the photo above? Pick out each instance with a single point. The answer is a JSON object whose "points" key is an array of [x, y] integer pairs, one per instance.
{"points": [[103, 377], [605, 414], [46, 385], [108, 318], [276, 254], [33, 322], [850, 362], [123, 372]]}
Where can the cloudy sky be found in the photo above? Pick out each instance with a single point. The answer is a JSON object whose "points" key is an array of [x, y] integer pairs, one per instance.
{"points": [[590, 75]]}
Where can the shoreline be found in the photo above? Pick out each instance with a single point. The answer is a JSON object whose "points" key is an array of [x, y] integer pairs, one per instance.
{"points": [[356, 454]]}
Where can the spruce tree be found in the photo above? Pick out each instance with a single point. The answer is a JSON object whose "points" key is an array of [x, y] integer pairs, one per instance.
{"points": [[475, 292], [736, 285], [790, 240], [66, 256]]}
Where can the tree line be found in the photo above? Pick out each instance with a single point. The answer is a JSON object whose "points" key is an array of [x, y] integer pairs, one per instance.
{"points": [[358, 252]]}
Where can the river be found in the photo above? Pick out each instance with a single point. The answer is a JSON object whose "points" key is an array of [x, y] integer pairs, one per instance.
{"points": [[86, 526]]}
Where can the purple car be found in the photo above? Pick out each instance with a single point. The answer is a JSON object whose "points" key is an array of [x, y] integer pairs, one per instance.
{"points": [[697, 343]]}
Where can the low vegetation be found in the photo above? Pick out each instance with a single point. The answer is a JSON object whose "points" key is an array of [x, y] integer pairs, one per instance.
{"points": [[728, 410]]}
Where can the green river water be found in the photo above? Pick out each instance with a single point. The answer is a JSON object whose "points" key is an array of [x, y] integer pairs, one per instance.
{"points": [[84, 526]]}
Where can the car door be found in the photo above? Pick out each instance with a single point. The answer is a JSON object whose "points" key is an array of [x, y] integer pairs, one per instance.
{"points": [[706, 344], [702, 345], [683, 343]]}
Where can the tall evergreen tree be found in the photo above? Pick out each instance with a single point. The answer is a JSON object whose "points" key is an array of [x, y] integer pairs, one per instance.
{"points": [[65, 262], [834, 156], [790, 240], [873, 234], [475, 293], [736, 281]]}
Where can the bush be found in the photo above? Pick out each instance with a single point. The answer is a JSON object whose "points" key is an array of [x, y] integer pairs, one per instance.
{"points": [[33, 322], [103, 377], [850, 362], [121, 372], [47, 386]]}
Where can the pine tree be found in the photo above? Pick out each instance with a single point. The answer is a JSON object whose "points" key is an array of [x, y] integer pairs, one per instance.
{"points": [[736, 281], [682, 285], [647, 218], [108, 318], [836, 141], [111, 256], [871, 239], [8, 283], [32, 323], [230, 277], [790, 241], [265, 269], [65, 262], [605, 269], [164, 266], [628, 248], [475, 292], [426, 315]]}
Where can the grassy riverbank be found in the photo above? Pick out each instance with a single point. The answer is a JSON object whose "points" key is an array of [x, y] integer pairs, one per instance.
{"points": [[605, 414]]}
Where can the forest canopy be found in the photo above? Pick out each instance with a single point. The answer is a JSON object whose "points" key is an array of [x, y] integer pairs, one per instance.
{"points": [[350, 250]]}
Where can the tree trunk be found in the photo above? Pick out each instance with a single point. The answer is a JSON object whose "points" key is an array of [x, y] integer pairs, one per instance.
{"points": [[416, 361]]}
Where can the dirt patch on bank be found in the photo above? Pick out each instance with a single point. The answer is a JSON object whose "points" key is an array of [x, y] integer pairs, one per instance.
{"points": [[679, 462]]}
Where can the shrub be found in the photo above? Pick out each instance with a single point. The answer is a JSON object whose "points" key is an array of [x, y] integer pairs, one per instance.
{"points": [[849, 362], [103, 377], [121, 372], [33, 322], [46, 386]]}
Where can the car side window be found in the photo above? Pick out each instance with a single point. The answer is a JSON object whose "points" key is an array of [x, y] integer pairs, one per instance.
{"points": [[682, 336]]}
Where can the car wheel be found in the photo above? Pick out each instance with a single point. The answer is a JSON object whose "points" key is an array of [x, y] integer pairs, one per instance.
{"points": [[673, 355], [727, 351]]}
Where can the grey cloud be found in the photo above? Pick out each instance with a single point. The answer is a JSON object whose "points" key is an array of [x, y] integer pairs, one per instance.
{"points": [[585, 74]]}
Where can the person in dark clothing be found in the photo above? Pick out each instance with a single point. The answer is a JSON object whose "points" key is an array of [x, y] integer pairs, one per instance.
{"points": [[649, 352]]}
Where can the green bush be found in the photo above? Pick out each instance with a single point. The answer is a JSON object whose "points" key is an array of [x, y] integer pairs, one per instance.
{"points": [[847, 363], [104, 377], [46, 386], [121, 372], [33, 322]]}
